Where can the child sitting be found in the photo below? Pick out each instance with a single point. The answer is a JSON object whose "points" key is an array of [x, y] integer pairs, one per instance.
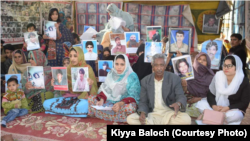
{"points": [[14, 102]]}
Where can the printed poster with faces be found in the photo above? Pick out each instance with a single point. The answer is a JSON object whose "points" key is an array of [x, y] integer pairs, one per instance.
{"points": [[17, 76], [31, 39], [214, 50], [79, 76], [50, 29], [151, 48], [36, 77], [183, 67], [104, 67], [132, 41], [59, 75], [118, 43], [90, 49]]}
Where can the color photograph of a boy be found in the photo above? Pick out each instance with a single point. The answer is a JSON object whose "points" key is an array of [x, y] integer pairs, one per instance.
{"points": [[14, 102], [60, 77], [183, 68], [104, 67], [154, 34], [179, 41], [16, 76], [79, 79], [37, 77], [132, 39], [90, 50], [32, 41], [213, 49]]}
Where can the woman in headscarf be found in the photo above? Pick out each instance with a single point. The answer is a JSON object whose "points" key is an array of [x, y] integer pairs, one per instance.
{"points": [[36, 97], [73, 104], [121, 91], [197, 88], [19, 63], [141, 68], [62, 18], [114, 11], [107, 54], [228, 91], [55, 47]]}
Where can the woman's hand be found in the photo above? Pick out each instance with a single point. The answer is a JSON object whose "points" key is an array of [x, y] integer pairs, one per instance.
{"points": [[28, 85], [90, 82], [100, 103], [57, 25], [117, 106], [52, 82], [216, 108], [45, 37], [178, 54], [125, 29], [224, 109], [194, 100]]}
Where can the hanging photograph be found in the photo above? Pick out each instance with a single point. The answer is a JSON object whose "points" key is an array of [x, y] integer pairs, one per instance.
{"points": [[151, 48], [132, 41], [210, 24], [183, 67], [36, 77], [118, 43], [104, 66], [180, 40], [31, 39], [59, 75], [79, 76]]}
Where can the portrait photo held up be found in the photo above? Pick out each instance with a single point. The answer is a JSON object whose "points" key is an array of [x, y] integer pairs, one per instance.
{"points": [[118, 43], [132, 41], [180, 40], [183, 67], [214, 50], [36, 77], [60, 79], [154, 33], [17, 76], [31, 39], [89, 49], [104, 66], [151, 48], [210, 24], [79, 76], [50, 29]]}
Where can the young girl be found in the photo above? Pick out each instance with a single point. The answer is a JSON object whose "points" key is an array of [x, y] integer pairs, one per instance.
{"points": [[65, 61]]}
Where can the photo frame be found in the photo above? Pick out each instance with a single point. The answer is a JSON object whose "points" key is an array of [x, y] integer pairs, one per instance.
{"points": [[17, 76], [151, 48], [183, 67], [180, 37], [50, 29], [104, 67], [31, 39], [36, 77], [59, 74], [79, 76], [210, 24], [117, 39], [132, 41], [89, 48]]}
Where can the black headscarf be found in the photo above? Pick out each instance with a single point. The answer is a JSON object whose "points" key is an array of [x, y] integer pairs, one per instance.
{"points": [[109, 57], [140, 48]]}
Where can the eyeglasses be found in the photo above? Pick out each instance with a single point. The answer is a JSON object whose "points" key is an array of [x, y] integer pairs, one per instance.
{"points": [[228, 66]]}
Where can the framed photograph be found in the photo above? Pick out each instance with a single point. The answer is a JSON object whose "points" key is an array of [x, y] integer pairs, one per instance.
{"points": [[91, 8], [180, 40], [118, 43], [151, 48], [210, 24], [92, 19], [81, 19], [104, 66], [50, 29], [79, 76], [36, 77], [103, 8], [183, 67], [214, 50], [60, 78], [31, 39], [102, 19], [154, 33], [132, 41], [17, 76], [90, 49], [86, 27]]}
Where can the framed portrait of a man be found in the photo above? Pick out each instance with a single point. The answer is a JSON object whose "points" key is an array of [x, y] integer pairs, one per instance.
{"points": [[154, 33], [210, 24], [180, 40], [214, 50], [118, 43]]}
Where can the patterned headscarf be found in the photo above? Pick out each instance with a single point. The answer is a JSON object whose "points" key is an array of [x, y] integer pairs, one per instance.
{"points": [[66, 47], [81, 63]]}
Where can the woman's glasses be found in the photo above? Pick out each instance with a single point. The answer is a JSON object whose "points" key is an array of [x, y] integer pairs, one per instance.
{"points": [[228, 66]]}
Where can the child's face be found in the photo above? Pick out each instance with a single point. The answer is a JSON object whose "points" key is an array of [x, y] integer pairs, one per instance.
{"points": [[12, 86], [68, 19], [66, 63], [31, 29]]}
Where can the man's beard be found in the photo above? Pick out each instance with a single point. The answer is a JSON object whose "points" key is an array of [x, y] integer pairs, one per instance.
{"points": [[132, 43]]}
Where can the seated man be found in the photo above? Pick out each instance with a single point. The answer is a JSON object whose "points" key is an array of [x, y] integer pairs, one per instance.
{"points": [[161, 97]]}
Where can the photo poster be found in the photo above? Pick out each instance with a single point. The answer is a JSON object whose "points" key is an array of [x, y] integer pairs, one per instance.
{"points": [[15, 16], [17, 76], [181, 36], [210, 24], [92, 14], [65, 9], [36, 77], [104, 67], [118, 43], [89, 48], [154, 33], [50, 29], [183, 67], [87, 27], [132, 41], [164, 16], [152, 48], [59, 74], [31, 39], [79, 76], [214, 50]]}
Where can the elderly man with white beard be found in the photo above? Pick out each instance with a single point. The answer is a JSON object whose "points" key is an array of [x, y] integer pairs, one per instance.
{"points": [[132, 42]]}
